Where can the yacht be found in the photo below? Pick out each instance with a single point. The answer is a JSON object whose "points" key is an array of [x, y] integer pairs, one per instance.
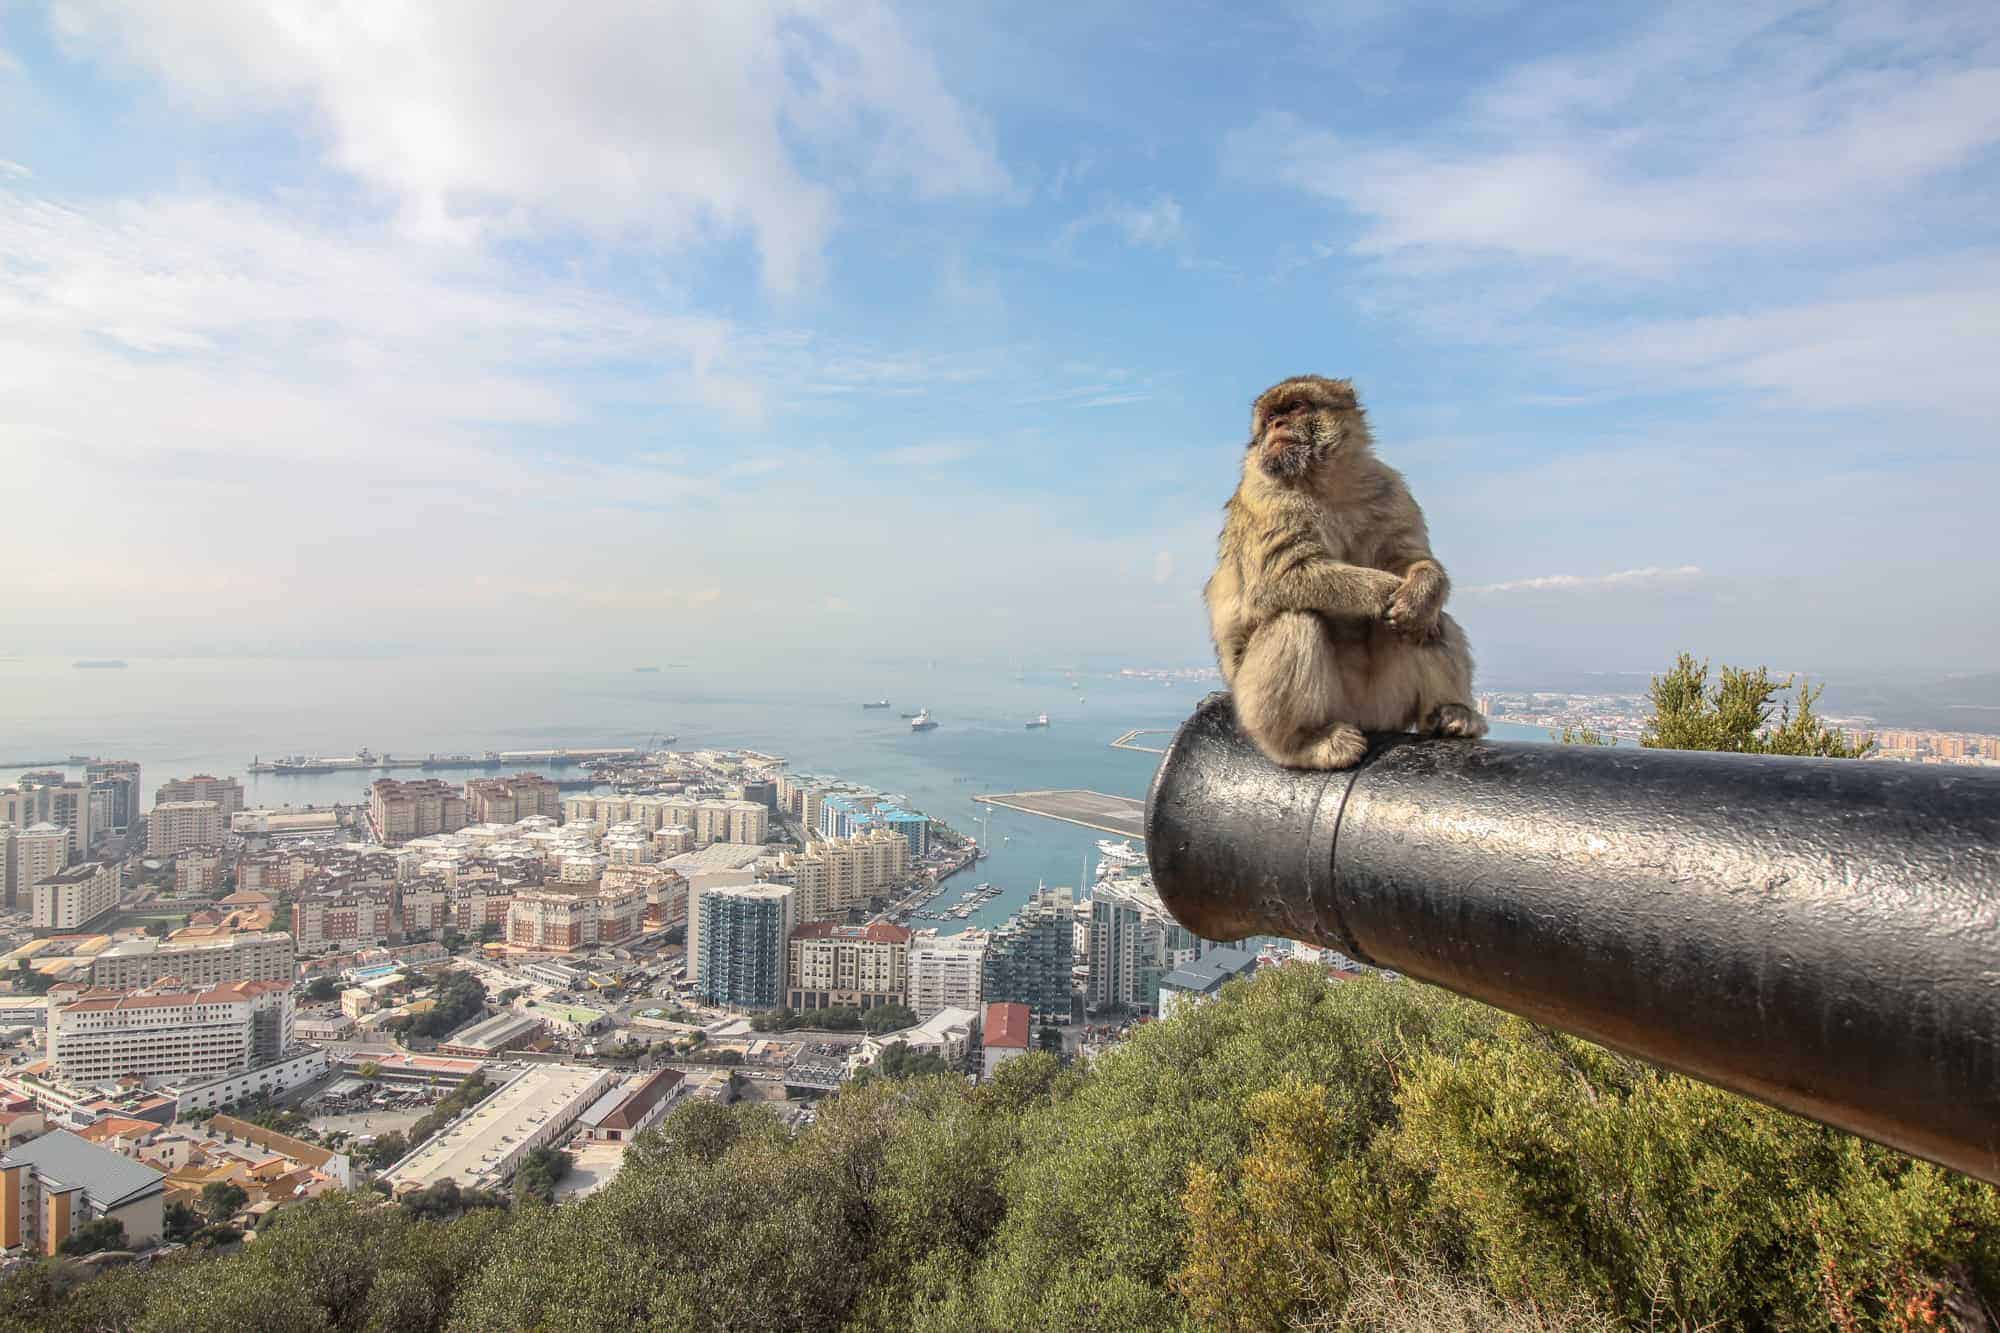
{"points": [[922, 721]]}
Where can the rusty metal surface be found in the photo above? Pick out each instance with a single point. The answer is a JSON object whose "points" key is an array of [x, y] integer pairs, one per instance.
{"points": [[1821, 934]]}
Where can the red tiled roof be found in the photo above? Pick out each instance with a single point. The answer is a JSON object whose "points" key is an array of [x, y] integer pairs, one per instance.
{"points": [[1007, 1025]]}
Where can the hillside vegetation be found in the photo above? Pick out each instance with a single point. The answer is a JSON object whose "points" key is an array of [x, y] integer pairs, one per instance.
{"points": [[1299, 1153]]}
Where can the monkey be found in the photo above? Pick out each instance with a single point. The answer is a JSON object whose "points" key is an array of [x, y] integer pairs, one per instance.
{"points": [[1326, 605]]}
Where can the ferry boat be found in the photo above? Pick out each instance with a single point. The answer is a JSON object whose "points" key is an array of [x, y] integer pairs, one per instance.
{"points": [[922, 721], [1039, 720], [1118, 858], [879, 703]]}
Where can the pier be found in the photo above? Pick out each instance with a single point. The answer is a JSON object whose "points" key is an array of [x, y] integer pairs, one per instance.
{"points": [[1092, 809], [1130, 741]]}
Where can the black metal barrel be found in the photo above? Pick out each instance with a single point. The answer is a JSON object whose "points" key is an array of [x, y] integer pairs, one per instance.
{"points": [[1823, 935]]}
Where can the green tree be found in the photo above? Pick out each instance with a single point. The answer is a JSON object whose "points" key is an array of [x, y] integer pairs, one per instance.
{"points": [[368, 1070], [1736, 714], [386, 1151], [322, 990], [220, 1200], [1050, 1039], [181, 1221], [539, 1172], [888, 1018], [1575, 735], [101, 1233]]}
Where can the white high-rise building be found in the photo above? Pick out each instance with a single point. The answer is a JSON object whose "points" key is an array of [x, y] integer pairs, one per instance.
{"points": [[177, 825], [75, 896], [176, 1035], [946, 971], [40, 850]]}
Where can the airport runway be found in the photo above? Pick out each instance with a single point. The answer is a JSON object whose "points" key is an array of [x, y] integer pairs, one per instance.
{"points": [[1093, 809]]}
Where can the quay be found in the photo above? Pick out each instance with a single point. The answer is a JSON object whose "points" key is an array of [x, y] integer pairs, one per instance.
{"points": [[1092, 809], [1130, 741]]}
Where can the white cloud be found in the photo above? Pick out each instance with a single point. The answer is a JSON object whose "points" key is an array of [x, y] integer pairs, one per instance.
{"points": [[1163, 566], [1716, 127], [628, 119], [935, 454], [13, 169], [1908, 339], [1652, 575], [1158, 224]]}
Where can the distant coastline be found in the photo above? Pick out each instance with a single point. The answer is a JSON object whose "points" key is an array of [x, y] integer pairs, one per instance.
{"points": [[99, 664]]}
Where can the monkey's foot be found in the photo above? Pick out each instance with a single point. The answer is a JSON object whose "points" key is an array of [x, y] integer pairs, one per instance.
{"points": [[1340, 746], [1456, 720]]}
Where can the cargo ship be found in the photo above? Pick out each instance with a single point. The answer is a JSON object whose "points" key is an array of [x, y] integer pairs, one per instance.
{"points": [[1039, 720], [879, 703]]}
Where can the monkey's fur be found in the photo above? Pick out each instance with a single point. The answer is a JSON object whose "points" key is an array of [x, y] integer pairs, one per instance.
{"points": [[1326, 605]]}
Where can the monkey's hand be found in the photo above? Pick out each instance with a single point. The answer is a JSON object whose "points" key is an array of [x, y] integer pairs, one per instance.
{"points": [[1413, 609], [1324, 586]]}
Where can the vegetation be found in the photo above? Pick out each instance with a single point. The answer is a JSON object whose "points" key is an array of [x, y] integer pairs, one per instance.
{"points": [[882, 1018], [261, 1110], [26, 981], [538, 1173], [181, 1221], [459, 999], [460, 1099], [220, 1200], [1299, 1153], [102, 1233], [446, 1200], [1736, 715], [385, 1151], [322, 990]]}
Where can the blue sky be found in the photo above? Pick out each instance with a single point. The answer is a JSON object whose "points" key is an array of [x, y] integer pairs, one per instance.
{"points": [[848, 327]]}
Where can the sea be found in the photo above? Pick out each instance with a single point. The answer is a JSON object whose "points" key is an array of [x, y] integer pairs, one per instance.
{"points": [[182, 716]]}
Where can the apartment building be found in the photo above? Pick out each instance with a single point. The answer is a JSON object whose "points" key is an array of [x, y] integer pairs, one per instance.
{"points": [[227, 793], [177, 1036], [834, 875], [60, 1182], [344, 919], [1029, 959], [737, 946], [847, 967], [50, 798], [399, 811], [562, 919], [35, 852], [117, 780], [199, 872], [134, 964], [510, 800], [174, 826], [946, 972], [75, 896]]}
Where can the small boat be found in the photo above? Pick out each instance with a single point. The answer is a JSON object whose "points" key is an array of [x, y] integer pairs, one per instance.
{"points": [[879, 703], [922, 721], [1039, 720]]}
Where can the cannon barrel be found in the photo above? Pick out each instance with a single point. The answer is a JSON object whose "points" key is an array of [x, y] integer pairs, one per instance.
{"points": [[1823, 935]]}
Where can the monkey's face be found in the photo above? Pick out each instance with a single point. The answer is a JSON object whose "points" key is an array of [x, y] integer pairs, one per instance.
{"points": [[1301, 423]]}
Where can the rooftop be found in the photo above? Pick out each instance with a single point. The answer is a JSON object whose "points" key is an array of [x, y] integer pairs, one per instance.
{"points": [[881, 932], [108, 1178], [1207, 973], [1007, 1025], [478, 1142]]}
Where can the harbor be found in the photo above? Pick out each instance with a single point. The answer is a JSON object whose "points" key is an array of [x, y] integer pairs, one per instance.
{"points": [[367, 761]]}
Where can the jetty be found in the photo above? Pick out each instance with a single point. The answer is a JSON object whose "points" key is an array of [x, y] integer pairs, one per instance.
{"points": [[1098, 810]]}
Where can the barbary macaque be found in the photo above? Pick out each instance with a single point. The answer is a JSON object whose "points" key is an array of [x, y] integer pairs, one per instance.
{"points": [[1326, 605]]}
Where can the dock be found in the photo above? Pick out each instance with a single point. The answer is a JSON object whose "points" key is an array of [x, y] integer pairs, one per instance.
{"points": [[1098, 810], [1130, 741]]}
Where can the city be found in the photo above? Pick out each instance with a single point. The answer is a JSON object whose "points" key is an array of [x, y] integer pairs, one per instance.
{"points": [[205, 1000]]}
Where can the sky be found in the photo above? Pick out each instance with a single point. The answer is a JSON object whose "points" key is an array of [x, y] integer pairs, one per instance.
{"points": [[849, 328]]}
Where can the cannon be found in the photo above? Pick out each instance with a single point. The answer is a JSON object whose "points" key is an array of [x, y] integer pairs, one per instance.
{"points": [[1822, 935]]}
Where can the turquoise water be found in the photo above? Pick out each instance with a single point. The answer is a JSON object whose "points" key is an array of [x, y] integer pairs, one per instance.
{"points": [[182, 716]]}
